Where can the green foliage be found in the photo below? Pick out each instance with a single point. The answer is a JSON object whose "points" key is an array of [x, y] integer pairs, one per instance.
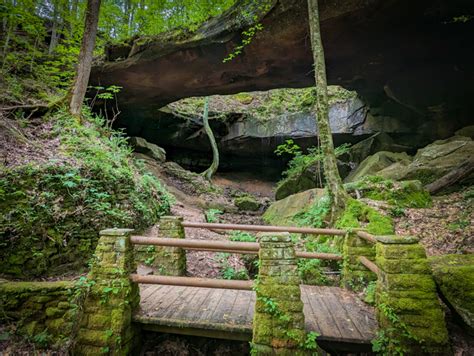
{"points": [[310, 341], [310, 272], [358, 214], [369, 293], [289, 147], [252, 14], [212, 215], [241, 236], [391, 340], [53, 211], [301, 162], [316, 214], [405, 194], [228, 271]]}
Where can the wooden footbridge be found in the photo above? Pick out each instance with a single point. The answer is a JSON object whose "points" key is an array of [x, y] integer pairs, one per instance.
{"points": [[342, 320], [225, 309], [274, 311]]}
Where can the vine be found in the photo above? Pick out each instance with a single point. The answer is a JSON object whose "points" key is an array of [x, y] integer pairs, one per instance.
{"points": [[386, 342], [248, 35]]}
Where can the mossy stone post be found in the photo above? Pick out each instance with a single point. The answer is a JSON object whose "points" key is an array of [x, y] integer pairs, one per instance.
{"points": [[355, 274], [278, 324], [167, 261], [171, 259], [406, 288], [106, 323]]}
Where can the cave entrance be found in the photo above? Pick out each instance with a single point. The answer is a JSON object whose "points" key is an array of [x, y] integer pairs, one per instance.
{"points": [[248, 128]]}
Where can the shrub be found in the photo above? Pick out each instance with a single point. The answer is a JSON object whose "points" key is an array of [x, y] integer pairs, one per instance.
{"points": [[54, 210]]}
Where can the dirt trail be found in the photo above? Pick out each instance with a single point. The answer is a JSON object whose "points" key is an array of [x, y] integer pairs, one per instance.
{"points": [[203, 263]]}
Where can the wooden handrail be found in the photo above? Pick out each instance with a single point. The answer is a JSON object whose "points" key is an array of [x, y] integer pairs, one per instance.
{"points": [[366, 236], [318, 255], [222, 246], [197, 244], [264, 228], [369, 264], [193, 282]]}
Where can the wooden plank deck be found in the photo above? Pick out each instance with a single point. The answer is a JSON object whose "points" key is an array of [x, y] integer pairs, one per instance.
{"points": [[334, 313]]}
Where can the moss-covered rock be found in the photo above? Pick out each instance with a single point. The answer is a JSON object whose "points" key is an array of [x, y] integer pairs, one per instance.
{"points": [[439, 158], [42, 311], [403, 194], [285, 211], [358, 214], [150, 149], [454, 275], [247, 202], [375, 163], [430, 163], [190, 182]]}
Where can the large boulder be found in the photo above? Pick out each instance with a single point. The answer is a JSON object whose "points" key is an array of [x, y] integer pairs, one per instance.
{"points": [[141, 145], [454, 275], [283, 212], [439, 158], [375, 163], [467, 131], [380, 141]]}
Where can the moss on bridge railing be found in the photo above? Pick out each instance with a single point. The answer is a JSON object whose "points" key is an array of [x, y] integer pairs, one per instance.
{"points": [[106, 323], [278, 325], [411, 319], [166, 261]]}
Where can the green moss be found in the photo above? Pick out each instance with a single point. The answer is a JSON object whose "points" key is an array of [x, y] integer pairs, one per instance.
{"points": [[247, 202], [404, 194], [358, 214], [53, 210], [454, 275]]}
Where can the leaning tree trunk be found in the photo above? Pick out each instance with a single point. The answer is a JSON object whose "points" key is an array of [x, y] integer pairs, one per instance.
{"points": [[333, 180], [78, 90], [208, 173]]}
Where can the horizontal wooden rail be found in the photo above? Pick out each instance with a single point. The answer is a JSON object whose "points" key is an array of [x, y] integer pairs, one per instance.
{"points": [[366, 236], [222, 246], [264, 228], [369, 264], [203, 245], [318, 255], [192, 282]]}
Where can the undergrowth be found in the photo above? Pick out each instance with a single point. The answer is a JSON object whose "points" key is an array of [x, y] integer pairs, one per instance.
{"points": [[54, 210]]}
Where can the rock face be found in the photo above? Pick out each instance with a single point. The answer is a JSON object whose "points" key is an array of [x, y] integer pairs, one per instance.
{"points": [[375, 163], [143, 146], [454, 275], [429, 163], [282, 212], [409, 60]]}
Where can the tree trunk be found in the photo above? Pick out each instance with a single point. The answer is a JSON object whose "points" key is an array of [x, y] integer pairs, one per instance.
{"points": [[208, 173], [333, 180], [79, 88], [54, 31], [456, 175]]}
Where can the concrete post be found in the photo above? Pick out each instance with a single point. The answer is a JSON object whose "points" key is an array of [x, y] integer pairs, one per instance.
{"points": [[167, 261], [354, 274], [407, 303], [106, 323], [278, 326]]}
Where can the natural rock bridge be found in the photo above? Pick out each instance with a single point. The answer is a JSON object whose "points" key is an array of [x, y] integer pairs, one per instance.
{"points": [[274, 312]]}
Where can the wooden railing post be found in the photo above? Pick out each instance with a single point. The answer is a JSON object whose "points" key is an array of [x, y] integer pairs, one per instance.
{"points": [[278, 326], [167, 261], [354, 273], [106, 322], [407, 303]]}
